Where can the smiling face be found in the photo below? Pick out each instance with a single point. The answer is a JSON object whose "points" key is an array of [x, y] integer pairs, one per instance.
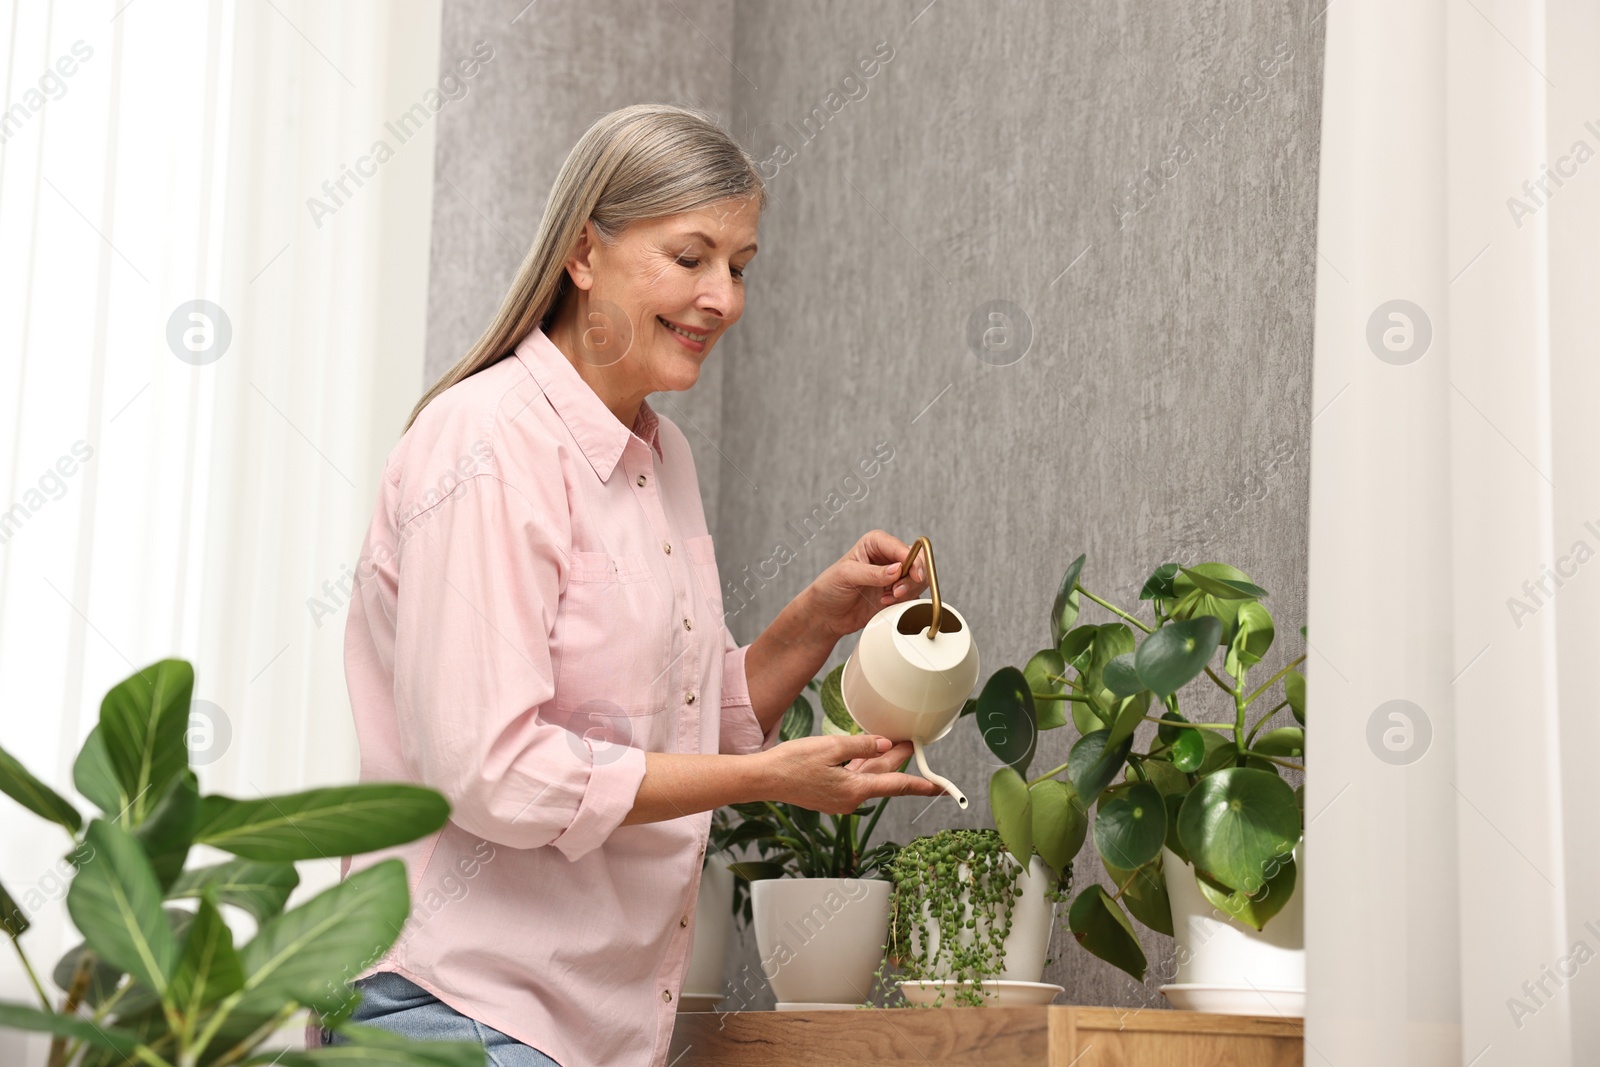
{"points": [[679, 281]]}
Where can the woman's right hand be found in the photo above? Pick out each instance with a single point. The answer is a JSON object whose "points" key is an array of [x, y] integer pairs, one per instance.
{"points": [[836, 774]]}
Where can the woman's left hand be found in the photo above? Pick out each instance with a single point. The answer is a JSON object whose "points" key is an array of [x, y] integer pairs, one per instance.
{"points": [[866, 580]]}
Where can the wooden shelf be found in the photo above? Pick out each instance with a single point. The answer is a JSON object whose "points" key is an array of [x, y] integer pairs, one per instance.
{"points": [[1055, 1036]]}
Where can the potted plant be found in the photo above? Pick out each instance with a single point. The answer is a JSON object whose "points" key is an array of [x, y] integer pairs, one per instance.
{"points": [[818, 898], [164, 985], [962, 911], [1198, 835]]}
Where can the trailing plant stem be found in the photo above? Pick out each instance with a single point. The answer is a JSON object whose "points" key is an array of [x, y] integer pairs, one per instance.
{"points": [[1115, 610]]}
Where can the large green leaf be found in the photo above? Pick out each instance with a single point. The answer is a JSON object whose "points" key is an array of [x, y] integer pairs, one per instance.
{"points": [[1075, 645], [340, 931], [1288, 741], [1194, 602], [1100, 926], [1172, 656], [1059, 823], [834, 711], [1006, 718], [1130, 713], [208, 968], [116, 902], [374, 1047], [100, 1035], [96, 779], [101, 977], [1093, 763], [1110, 641], [1236, 825], [1159, 585], [1011, 804], [318, 823], [1145, 894], [13, 920], [261, 889], [168, 832], [1064, 612], [1223, 582], [1254, 910], [1130, 826], [1042, 667], [25, 789], [1121, 676], [1294, 691], [798, 721], [1251, 639], [143, 720]]}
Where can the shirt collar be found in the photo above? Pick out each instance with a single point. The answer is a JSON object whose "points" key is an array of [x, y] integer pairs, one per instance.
{"points": [[598, 432]]}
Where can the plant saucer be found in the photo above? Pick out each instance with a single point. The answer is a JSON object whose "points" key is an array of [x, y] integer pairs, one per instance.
{"points": [[1236, 1000], [1000, 994]]}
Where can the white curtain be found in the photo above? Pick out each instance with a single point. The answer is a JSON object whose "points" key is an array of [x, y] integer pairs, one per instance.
{"points": [[156, 501], [1453, 908]]}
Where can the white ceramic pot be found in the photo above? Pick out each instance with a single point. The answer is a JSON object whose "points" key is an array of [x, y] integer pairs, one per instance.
{"points": [[1217, 954], [1033, 921], [713, 915], [820, 939]]}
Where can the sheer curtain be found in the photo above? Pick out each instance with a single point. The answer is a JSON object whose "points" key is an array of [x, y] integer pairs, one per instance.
{"points": [[211, 300], [1453, 908]]}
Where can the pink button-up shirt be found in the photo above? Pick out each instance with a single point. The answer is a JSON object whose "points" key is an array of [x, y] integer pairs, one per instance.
{"points": [[537, 607]]}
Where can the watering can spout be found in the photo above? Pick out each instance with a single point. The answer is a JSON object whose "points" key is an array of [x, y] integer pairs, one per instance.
{"points": [[937, 779]]}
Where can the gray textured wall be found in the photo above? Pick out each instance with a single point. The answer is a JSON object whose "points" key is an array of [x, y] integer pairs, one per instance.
{"points": [[1139, 182]]}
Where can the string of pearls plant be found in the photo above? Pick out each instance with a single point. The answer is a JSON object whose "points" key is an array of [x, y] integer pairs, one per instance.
{"points": [[954, 881]]}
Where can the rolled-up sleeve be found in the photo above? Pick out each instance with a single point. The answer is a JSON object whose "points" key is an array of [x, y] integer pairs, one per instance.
{"points": [[480, 579], [741, 731]]}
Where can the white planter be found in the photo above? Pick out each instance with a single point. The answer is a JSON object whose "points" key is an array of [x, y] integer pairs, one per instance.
{"points": [[1218, 956], [820, 939], [713, 915], [1032, 922]]}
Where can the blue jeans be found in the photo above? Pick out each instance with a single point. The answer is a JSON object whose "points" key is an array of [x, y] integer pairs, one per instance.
{"points": [[402, 1007]]}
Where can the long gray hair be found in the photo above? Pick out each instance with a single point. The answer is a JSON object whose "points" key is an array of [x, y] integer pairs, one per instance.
{"points": [[645, 161]]}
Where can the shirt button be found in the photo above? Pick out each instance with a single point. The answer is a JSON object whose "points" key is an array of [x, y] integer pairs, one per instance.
{"points": [[666, 994], [688, 624], [641, 479], [688, 698], [666, 546], [683, 922]]}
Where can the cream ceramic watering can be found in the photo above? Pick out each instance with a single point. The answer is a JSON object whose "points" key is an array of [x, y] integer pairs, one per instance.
{"points": [[912, 671]]}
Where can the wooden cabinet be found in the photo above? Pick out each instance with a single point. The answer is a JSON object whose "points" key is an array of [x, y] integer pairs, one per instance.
{"points": [[985, 1037]]}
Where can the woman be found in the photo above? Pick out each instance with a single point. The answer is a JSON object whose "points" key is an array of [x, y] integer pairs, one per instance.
{"points": [[538, 632]]}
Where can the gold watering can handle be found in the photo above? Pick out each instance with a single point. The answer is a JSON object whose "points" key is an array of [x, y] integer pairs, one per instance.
{"points": [[922, 544]]}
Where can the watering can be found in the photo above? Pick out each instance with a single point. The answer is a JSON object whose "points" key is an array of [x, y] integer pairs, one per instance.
{"points": [[912, 671]]}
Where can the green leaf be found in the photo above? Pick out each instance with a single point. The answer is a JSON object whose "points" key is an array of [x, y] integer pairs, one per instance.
{"points": [[143, 720], [1130, 714], [1042, 666], [23, 1017], [1236, 823], [1159, 585], [13, 920], [755, 870], [1011, 803], [166, 835], [1289, 741], [1060, 823], [798, 720], [96, 779], [1006, 718], [1174, 802], [116, 902], [1163, 776], [1175, 654], [833, 709], [1254, 911], [1100, 926], [1121, 676], [1130, 826], [318, 823], [261, 889], [25, 789], [1093, 763], [374, 1047], [1076, 643], [1145, 894], [1110, 641], [1086, 719], [208, 968], [1064, 612], [103, 977], [1189, 750], [1255, 635], [340, 931], [1215, 579], [1294, 691]]}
